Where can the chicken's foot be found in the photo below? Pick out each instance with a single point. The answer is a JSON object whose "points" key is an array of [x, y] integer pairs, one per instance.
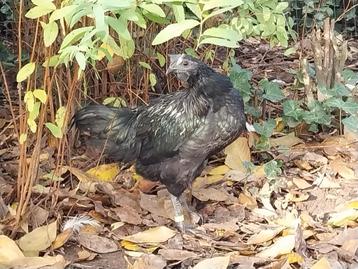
{"points": [[178, 212]]}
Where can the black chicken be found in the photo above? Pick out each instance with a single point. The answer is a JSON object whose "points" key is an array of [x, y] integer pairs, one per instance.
{"points": [[170, 139]]}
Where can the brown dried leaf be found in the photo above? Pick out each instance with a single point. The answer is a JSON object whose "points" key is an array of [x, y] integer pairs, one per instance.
{"points": [[247, 200], [97, 243], [214, 263], [153, 235], [149, 261], [62, 238], [302, 164], [340, 167], [229, 226], [152, 204], [210, 194], [39, 239], [301, 183], [351, 247], [237, 153], [201, 182], [176, 254], [128, 215], [315, 159]]}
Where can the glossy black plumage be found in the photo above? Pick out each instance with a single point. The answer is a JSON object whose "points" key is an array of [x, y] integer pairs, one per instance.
{"points": [[170, 139]]}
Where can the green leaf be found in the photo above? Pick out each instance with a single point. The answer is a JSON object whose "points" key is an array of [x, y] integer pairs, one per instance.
{"points": [[195, 8], [351, 123], [211, 4], [52, 61], [41, 95], [219, 42], [291, 108], [120, 26], [272, 91], [39, 11], [266, 13], [145, 65], [74, 36], [50, 32], [81, 60], [281, 6], [224, 33], [240, 78], [272, 169], [289, 51], [54, 129], [161, 59], [154, 9], [152, 79], [32, 124], [265, 128], [178, 10], [98, 13], [174, 30], [25, 72], [29, 100], [35, 111], [62, 12], [22, 138], [350, 106], [60, 116]]}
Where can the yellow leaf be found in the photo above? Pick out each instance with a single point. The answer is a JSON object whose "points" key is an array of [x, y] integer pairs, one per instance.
{"points": [[201, 182], [219, 170], [247, 200], [341, 168], [322, 264], [9, 251], [25, 72], [22, 138], [39, 239], [153, 235], [105, 172], [286, 140], [130, 245], [294, 258], [102, 54], [237, 153], [280, 125], [343, 217], [353, 204], [29, 100], [283, 245]]}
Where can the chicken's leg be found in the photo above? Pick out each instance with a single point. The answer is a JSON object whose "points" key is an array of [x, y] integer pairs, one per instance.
{"points": [[178, 212]]}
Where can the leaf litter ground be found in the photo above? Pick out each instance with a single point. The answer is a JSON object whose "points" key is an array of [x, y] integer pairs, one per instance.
{"points": [[108, 218]]}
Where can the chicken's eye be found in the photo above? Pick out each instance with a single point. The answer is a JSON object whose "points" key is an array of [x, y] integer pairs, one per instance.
{"points": [[185, 63]]}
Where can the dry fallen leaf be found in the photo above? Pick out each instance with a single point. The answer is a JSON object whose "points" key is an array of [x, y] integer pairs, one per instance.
{"points": [[283, 245], [301, 183], [46, 262], [149, 261], [9, 251], [39, 239], [176, 254], [237, 153], [201, 182], [62, 238], [350, 246], [105, 172], [322, 264], [97, 243], [288, 140], [214, 263], [343, 217], [219, 170], [210, 194], [341, 168], [153, 235], [264, 235]]}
